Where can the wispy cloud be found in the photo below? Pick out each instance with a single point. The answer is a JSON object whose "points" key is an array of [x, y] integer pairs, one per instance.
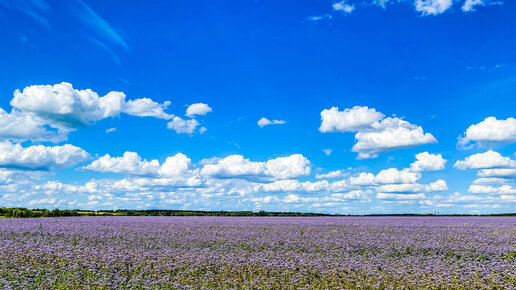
{"points": [[36, 9], [100, 25]]}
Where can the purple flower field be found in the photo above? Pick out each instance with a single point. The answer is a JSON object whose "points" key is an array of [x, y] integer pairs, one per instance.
{"points": [[253, 252]]}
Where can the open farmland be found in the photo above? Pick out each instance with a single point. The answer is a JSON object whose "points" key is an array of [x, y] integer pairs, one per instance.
{"points": [[255, 252]]}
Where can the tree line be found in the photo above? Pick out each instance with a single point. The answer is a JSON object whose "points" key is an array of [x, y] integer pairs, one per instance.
{"points": [[21, 212]]}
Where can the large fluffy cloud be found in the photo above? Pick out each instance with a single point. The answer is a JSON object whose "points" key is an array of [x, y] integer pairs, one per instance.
{"points": [[428, 162], [390, 134], [131, 163], [490, 131], [349, 120], [40, 157], [62, 105], [279, 168], [374, 133], [18, 126], [486, 160], [64, 108]]}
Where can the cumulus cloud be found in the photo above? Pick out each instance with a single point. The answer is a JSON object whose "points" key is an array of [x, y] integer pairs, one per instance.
{"points": [[176, 165], [264, 122], [279, 168], [40, 157], [349, 120], [374, 134], [389, 134], [129, 163], [486, 160], [19, 126], [497, 172], [386, 176], [62, 105], [432, 7], [487, 189], [181, 125], [64, 108], [489, 132], [343, 6], [332, 174], [198, 109], [146, 107], [393, 175], [428, 162]]}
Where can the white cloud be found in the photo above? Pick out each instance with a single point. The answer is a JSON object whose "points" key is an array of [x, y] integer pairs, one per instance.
{"points": [[428, 162], [332, 174], [292, 185], [292, 166], [363, 179], [183, 126], [264, 122], [389, 134], [19, 126], [491, 180], [198, 109], [279, 168], [64, 108], [343, 6], [486, 160], [469, 5], [432, 7], [374, 134], [319, 17], [176, 165], [62, 105], [129, 163], [487, 189], [439, 185], [399, 196], [327, 152], [393, 175], [349, 120], [110, 130], [40, 157], [146, 107], [490, 131], [386, 176], [497, 172]]}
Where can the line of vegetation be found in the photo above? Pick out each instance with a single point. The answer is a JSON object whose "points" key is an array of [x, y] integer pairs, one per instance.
{"points": [[20, 212]]}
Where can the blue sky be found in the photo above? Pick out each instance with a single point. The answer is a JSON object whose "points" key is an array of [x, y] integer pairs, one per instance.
{"points": [[409, 105]]}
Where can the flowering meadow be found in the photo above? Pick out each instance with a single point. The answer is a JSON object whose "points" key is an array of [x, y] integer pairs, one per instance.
{"points": [[258, 252]]}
